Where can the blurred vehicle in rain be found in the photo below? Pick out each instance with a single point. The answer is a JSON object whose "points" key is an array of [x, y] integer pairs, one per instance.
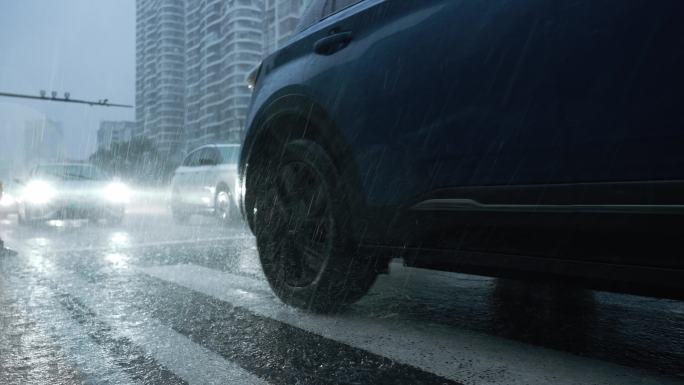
{"points": [[205, 184], [528, 139], [8, 202], [71, 191]]}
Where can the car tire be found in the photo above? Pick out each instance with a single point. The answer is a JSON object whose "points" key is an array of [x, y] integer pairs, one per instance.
{"points": [[303, 232], [224, 208]]}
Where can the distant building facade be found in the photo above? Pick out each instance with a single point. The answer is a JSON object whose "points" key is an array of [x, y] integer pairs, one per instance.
{"points": [[111, 132], [43, 142], [192, 58], [224, 41], [160, 73]]}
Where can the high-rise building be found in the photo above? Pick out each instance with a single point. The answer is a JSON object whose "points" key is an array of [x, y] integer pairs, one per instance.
{"points": [[160, 73], [192, 58], [224, 41], [114, 132], [43, 141]]}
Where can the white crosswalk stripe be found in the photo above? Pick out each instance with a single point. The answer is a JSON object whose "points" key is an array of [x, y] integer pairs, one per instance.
{"points": [[188, 360], [459, 355], [463, 356], [140, 245], [81, 352]]}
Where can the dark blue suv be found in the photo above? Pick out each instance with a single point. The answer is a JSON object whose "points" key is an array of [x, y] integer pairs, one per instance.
{"points": [[534, 139]]}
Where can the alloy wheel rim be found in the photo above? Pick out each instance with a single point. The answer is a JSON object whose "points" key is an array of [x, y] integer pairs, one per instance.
{"points": [[300, 225], [223, 205]]}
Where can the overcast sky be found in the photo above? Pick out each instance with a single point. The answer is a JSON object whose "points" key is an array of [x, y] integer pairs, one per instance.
{"points": [[86, 47]]}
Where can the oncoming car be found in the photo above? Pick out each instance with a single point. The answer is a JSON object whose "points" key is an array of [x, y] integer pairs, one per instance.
{"points": [[8, 203], [71, 191], [205, 184], [530, 139]]}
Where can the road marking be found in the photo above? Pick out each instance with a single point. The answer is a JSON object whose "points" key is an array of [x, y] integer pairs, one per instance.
{"points": [[90, 359], [191, 242], [274, 350], [26, 350], [187, 359], [463, 356]]}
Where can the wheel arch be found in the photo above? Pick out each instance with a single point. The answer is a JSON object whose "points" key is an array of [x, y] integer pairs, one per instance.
{"points": [[222, 185], [297, 116]]}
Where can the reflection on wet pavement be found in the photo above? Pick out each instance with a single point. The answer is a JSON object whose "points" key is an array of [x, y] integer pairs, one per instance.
{"points": [[125, 304], [27, 354]]}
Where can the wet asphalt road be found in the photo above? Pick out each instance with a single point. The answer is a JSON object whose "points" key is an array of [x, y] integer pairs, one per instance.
{"points": [[150, 301]]}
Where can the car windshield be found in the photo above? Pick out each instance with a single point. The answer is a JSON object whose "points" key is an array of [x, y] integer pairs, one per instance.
{"points": [[71, 172], [342, 192]]}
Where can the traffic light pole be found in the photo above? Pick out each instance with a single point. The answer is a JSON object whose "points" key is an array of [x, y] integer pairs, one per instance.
{"points": [[65, 99]]}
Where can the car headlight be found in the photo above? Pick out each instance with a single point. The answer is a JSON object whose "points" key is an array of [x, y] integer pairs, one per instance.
{"points": [[39, 192], [7, 200], [117, 192]]}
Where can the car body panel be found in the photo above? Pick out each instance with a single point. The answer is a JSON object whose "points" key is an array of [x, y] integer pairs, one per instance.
{"points": [[487, 129], [194, 187], [8, 200], [73, 199], [8, 205], [534, 128]]}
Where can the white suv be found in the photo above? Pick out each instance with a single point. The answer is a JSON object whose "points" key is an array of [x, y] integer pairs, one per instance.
{"points": [[205, 183]]}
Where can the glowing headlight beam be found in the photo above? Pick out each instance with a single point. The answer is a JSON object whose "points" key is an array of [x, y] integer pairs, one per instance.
{"points": [[39, 192], [7, 200], [117, 192]]}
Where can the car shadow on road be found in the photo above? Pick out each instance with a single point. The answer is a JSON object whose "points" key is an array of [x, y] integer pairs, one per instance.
{"points": [[544, 314], [629, 330]]}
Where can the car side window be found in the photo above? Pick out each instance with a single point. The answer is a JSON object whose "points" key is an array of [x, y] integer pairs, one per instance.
{"points": [[328, 8], [207, 156], [333, 6], [186, 161], [213, 155], [312, 13], [339, 5], [191, 159], [201, 157], [229, 155]]}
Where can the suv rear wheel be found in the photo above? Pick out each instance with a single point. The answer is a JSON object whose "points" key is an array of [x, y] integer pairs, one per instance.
{"points": [[223, 206], [303, 234]]}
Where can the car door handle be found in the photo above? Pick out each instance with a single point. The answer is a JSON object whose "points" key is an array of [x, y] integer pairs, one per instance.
{"points": [[333, 43]]}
